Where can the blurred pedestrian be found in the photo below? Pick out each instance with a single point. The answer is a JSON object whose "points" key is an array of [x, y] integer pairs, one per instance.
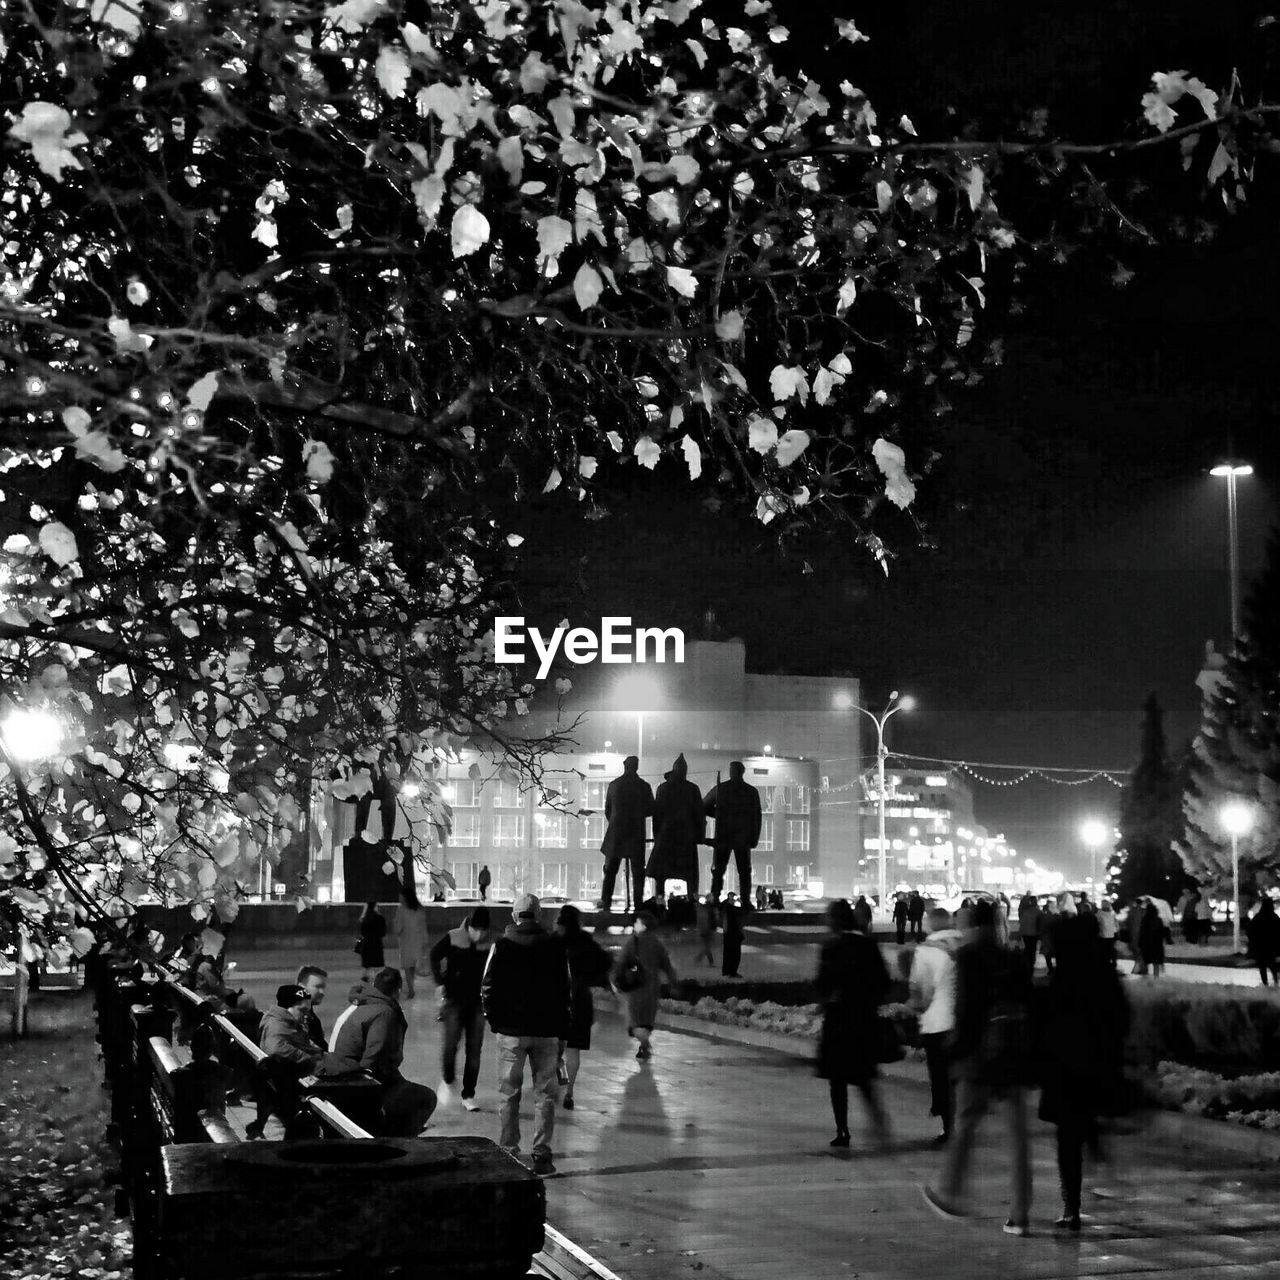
{"points": [[1107, 926], [1001, 909], [589, 965], [411, 937], [457, 965], [1084, 1027], [1048, 921], [483, 881], [1029, 928], [1263, 931], [851, 983], [734, 932], [373, 929], [1189, 920], [862, 914], [526, 992], [915, 914], [706, 929], [933, 995], [1204, 918], [1151, 940], [992, 1056], [900, 918], [638, 974]]}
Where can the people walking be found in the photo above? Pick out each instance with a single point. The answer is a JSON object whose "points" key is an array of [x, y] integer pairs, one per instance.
{"points": [[1263, 932], [1084, 1026], [1204, 918], [707, 924], [862, 915], [1107, 927], [735, 805], [589, 966], [526, 996], [1151, 940], [734, 932], [900, 918], [1189, 920], [915, 914], [638, 973], [1048, 920], [483, 881], [851, 983], [933, 995], [628, 802], [373, 929], [679, 826], [1029, 928], [992, 1058], [411, 937], [457, 965]]}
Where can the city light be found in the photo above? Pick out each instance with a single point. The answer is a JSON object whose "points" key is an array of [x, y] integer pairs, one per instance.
{"points": [[31, 734], [409, 789], [1237, 819], [1093, 832], [1230, 469], [842, 700]]}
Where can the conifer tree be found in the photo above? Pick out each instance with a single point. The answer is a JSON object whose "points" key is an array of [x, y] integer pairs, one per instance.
{"points": [[1145, 862]]}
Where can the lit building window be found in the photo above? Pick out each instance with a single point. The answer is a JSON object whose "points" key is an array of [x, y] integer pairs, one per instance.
{"points": [[766, 835], [551, 830], [508, 829], [465, 875], [555, 792], [595, 792], [766, 799], [462, 793], [767, 878], [798, 834], [936, 780], [506, 795], [555, 880], [593, 829], [466, 830]]}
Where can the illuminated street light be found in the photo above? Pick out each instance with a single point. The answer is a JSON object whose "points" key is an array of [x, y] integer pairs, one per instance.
{"points": [[1232, 470], [1237, 820], [843, 701], [1094, 832], [639, 693], [31, 734]]}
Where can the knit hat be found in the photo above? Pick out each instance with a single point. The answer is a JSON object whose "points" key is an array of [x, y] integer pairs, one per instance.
{"points": [[291, 994], [526, 904]]}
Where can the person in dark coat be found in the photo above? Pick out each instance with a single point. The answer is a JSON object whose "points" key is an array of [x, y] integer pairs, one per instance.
{"points": [[1151, 940], [679, 825], [1085, 1020], [915, 914], [483, 881], [851, 983], [1263, 930], [991, 1058], [900, 918], [627, 803], [589, 966], [373, 929], [1029, 928], [735, 805], [457, 964], [644, 960], [862, 915], [731, 951]]}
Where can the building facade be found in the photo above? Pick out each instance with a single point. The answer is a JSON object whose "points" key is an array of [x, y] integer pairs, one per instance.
{"points": [[797, 737]]}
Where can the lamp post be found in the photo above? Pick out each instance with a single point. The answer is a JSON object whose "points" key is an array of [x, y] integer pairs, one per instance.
{"points": [[892, 707], [637, 693], [1231, 471], [1237, 818], [1093, 832]]}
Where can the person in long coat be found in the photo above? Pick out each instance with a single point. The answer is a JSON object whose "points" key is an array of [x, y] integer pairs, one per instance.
{"points": [[1263, 932], [627, 803], [1151, 940], [411, 935], [679, 824], [589, 966], [1085, 1020], [643, 948], [851, 983], [373, 929]]}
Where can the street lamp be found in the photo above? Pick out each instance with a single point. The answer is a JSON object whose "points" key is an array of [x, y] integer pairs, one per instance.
{"points": [[1231, 470], [1094, 833], [31, 734], [1237, 819], [892, 707], [638, 693]]}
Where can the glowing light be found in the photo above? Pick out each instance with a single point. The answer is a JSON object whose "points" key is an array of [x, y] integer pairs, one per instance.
{"points": [[31, 734], [36, 386], [409, 789], [636, 692], [1093, 832], [906, 703], [180, 756], [1231, 469], [842, 700], [1236, 817]]}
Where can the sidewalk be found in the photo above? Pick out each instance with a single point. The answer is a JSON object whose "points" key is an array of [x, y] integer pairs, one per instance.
{"points": [[712, 1161]]}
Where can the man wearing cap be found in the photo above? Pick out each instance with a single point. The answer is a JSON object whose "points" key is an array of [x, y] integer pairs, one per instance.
{"points": [[627, 803], [291, 1054], [525, 993]]}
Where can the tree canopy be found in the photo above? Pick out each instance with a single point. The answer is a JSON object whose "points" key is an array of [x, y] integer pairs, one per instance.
{"points": [[300, 300]]}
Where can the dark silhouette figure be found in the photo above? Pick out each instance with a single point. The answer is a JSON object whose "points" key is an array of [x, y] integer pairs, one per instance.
{"points": [[484, 881], [627, 803], [731, 951], [679, 825], [373, 929], [735, 805], [1263, 930]]}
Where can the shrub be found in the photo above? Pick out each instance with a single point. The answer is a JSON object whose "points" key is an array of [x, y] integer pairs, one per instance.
{"points": [[1211, 1024], [1252, 1100]]}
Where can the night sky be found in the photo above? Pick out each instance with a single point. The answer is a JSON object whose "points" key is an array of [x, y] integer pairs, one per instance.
{"points": [[1080, 546]]}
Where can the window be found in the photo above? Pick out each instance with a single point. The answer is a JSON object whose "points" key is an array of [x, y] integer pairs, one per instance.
{"points": [[508, 829], [795, 799], [555, 879], [767, 878], [798, 834], [556, 792], [464, 876], [589, 881], [593, 831], [506, 795], [798, 873], [594, 797], [462, 793], [766, 835], [550, 830], [766, 799], [466, 830]]}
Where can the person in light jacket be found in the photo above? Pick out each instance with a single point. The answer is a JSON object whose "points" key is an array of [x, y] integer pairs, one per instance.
{"points": [[933, 995], [411, 937]]}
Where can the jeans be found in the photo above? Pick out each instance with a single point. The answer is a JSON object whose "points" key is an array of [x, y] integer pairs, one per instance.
{"points": [[938, 1059], [973, 1099], [459, 1022], [720, 864], [543, 1053]]}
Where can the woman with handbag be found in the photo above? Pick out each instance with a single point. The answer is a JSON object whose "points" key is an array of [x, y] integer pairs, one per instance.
{"points": [[852, 981], [373, 929], [638, 975]]}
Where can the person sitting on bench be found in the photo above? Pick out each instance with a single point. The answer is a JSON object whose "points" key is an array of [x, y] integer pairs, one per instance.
{"points": [[291, 1055]]}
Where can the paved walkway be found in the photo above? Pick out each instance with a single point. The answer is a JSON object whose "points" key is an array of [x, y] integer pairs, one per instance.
{"points": [[712, 1161]]}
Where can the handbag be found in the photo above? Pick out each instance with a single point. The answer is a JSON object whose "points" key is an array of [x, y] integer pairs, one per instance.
{"points": [[888, 1045]]}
